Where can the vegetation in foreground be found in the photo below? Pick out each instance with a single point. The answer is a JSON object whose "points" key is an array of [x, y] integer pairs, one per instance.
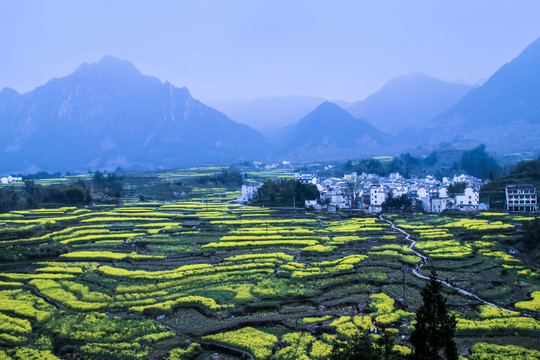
{"points": [[188, 279]]}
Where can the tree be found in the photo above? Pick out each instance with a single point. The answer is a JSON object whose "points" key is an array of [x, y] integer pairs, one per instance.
{"points": [[401, 202], [359, 348], [431, 159], [353, 190], [433, 335], [479, 163], [363, 347], [286, 192], [457, 188]]}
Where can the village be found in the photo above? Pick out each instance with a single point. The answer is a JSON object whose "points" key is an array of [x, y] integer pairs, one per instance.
{"points": [[370, 191]]}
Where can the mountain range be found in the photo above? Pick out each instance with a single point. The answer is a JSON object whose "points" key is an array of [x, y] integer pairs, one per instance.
{"points": [[503, 113], [107, 115], [409, 101], [328, 132]]}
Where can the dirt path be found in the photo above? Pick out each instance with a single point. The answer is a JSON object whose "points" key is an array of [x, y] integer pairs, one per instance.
{"points": [[417, 267]]}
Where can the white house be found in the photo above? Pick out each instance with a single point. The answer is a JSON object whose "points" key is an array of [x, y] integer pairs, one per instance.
{"points": [[424, 196], [377, 195], [338, 199], [249, 192], [10, 179], [440, 204], [469, 200], [399, 191], [306, 178]]}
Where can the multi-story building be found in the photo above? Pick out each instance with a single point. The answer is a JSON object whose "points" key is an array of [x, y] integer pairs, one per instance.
{"points": [[521, 197], [249, 193]]}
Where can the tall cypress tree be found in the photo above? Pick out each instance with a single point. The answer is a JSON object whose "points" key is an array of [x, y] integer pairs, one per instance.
{"points": [[433, 335]]}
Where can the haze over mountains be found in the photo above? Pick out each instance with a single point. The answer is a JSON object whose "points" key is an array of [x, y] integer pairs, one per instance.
{"points": [[108, 114], [408, 101], [267, 114], [503, 113]]}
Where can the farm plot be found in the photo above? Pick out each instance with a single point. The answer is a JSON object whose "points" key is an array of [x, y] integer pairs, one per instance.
{"points": [[137, 281]]}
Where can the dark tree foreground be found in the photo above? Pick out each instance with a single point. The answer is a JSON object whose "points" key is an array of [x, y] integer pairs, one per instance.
{"points": [[433, 335]]}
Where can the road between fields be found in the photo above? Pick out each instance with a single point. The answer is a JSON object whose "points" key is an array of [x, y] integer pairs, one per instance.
{"points": [[424, 258]]}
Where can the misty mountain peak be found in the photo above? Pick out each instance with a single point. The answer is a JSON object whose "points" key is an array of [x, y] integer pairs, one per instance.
{"points": [[330, 108], [110, 66], [145, 123], [9, 92]]}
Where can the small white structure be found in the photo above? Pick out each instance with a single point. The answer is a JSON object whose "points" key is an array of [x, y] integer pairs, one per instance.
{"points": [[377, 195], [469, 200], [249, 193], [306, 178], [440, 204], [483, 206], [311, 203], [10, 179], [338, 199], [399, 191]]}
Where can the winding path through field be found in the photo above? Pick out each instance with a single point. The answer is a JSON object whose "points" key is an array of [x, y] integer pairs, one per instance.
{"points": [[424, 261]]}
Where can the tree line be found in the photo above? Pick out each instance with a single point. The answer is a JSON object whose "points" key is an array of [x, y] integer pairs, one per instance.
{"points": [[476, 162]]}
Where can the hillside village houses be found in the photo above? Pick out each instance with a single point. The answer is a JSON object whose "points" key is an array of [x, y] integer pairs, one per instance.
{"points": [[370, 191]]}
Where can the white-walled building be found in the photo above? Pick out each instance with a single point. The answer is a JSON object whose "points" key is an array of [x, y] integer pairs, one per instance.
{"points": [[469, 200], [306, 178], [249, 193], [438, 205], [10, 179], [521, 197], [377, 195]]}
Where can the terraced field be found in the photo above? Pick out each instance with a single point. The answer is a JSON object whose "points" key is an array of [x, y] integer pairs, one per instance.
{"points": [[189, 279]]}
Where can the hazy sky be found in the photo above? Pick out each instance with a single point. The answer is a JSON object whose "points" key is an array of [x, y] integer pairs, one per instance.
{"points": [[333, 49]]}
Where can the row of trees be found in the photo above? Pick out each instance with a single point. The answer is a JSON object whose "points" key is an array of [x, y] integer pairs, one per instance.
{"points": [[225, 178], [33, 195], [286, 193], [477, 162], [69, 194], [405, 164], [108, 184]]}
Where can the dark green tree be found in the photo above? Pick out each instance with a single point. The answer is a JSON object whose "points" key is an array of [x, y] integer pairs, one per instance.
{"points": [[433, 335], [282, 192], [363, 347], [457, 188], [479, 163], [401, 202], [8, 200], [431, 159], [359, 348]]}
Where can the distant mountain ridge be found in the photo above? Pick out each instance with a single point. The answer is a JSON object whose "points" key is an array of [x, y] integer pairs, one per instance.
{"points": [[330, 132], [408, 101], [503, 113], [267, 114], [108, 114]]}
